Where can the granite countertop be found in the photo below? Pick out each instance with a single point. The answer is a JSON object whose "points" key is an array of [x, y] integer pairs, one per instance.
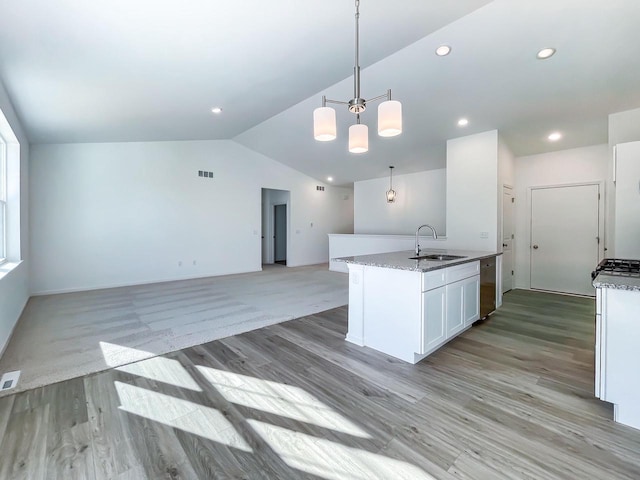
{"points": [[401, 260], [619, 282]]}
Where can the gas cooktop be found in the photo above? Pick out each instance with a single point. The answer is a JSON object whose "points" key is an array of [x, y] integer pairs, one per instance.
{"points": [[619, 267]]}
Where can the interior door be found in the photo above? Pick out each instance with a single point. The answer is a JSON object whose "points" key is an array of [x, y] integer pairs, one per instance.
{"points": [[564, 238], [507, 239], [280, 234]]}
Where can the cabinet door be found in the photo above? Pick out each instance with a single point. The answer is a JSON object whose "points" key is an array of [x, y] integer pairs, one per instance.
{"points": [[455, 307], [471, 296], [433, 317]]}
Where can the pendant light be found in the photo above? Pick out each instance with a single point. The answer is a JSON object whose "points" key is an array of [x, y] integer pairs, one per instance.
{"points": [[391, 193], [389, 111]]}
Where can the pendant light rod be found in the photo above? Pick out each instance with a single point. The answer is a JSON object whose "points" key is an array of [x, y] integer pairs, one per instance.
{"points": [[356, 68]]}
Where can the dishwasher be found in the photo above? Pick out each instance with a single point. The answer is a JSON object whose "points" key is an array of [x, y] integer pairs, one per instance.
{"points": [[487, 286]]}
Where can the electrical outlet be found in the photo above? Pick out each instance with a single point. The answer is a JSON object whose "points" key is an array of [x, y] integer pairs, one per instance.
{"points": [[180, 263], [194, 263], [484, 234], [9, 380]]}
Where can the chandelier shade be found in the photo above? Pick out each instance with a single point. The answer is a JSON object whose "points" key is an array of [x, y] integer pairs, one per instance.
{"points": [[358, 138], [389, 111], [324, 124], [390, 118]]}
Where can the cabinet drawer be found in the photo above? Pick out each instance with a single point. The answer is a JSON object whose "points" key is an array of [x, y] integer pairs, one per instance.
{"points": [[435, 279], [459, 272]]}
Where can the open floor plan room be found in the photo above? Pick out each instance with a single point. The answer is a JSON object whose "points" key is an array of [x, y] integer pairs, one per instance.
{"points": [[510, 398]]}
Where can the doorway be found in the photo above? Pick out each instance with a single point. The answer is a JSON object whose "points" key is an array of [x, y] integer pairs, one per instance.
{"points": [[276, 208], [280, 234], [507, 238], [565, 237]]}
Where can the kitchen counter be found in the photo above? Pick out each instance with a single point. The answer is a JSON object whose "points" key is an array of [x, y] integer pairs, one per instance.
{"points": [[618, 282], [401, 260]]}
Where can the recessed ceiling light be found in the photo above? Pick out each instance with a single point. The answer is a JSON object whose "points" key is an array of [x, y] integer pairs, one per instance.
{"points": [[443, 50], [463, 122], [216, 110], [545, 53], [329, 179], [555, 136]]}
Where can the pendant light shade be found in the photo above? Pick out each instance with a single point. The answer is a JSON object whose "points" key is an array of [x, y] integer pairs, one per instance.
{"points": [[358, 138], [324, 124], [390, 118], [391, 193]]}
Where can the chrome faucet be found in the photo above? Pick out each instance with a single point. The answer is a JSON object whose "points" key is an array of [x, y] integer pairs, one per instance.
{"points": [[433, 230]]}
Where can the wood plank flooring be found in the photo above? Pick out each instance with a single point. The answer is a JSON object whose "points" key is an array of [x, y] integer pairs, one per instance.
{"points": [[510, 398]]}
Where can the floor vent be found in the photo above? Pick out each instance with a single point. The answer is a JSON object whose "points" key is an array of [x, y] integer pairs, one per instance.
{"points": [[9, 380]]}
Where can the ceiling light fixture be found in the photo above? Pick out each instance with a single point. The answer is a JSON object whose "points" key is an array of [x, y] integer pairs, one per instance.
{"points": [[391, 193], [463, 122], [443, 50], [555, 136], [389, 111], [545, 53], [329, 179], [216, 110]]}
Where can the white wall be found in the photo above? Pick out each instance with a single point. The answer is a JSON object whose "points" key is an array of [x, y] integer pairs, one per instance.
{"points": [[472, 192], [421, 198], [14, 276], [127, 213], [624, 127], [587, 164]]}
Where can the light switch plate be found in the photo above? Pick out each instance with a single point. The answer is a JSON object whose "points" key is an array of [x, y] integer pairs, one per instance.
{"points": [[484, 234]]}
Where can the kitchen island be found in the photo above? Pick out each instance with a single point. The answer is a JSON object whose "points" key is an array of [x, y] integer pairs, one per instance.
{"points": [[407, 307], [617, 347]]}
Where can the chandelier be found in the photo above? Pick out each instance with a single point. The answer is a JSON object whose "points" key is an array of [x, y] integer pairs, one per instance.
{"points": [[389, 111]]}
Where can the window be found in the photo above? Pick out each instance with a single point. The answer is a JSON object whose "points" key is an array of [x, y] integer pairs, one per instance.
{"points": [[3, 200]]}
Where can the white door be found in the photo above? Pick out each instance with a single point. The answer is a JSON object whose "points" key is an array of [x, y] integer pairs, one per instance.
{"points": [[507, 239], [564, 238]]}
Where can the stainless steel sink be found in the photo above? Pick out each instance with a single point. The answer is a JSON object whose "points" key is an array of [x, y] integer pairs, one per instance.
{"points": [[438, 257]]}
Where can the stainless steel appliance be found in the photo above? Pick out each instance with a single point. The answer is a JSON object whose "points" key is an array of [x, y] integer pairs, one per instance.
{"points": [[487, 286]]}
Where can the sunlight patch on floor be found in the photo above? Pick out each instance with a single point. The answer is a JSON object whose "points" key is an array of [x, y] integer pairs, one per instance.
{"points": [[279, 399], [161, 369], [116, 355], [175, 412], [331, 460]]}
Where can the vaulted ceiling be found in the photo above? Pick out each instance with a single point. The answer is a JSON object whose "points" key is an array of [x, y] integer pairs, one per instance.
{"points": [[144, 71]]}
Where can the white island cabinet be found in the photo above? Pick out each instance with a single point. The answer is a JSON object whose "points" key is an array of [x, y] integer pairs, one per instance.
{"points": [[410, 308], [618, 346]]}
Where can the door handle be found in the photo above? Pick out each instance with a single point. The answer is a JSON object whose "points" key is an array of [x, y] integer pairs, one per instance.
{"points": [[535, 247], [505, 245]]}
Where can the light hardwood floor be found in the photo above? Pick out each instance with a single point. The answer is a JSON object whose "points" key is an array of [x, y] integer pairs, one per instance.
{"points": [[68, 335], [510, 398]]}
